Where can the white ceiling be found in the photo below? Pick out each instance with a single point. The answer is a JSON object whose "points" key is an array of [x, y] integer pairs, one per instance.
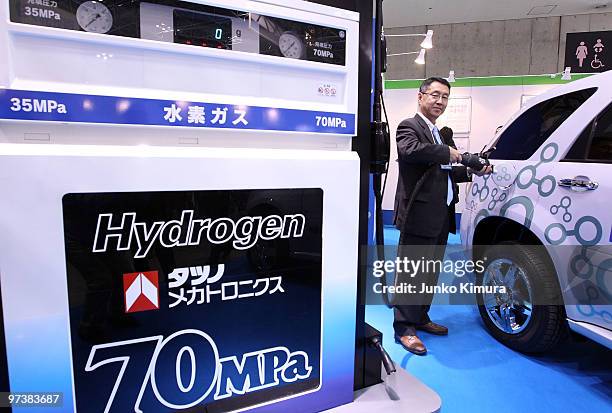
{"points": [[401, 13]]}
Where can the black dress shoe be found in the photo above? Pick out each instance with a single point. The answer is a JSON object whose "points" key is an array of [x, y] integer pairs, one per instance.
{"points": [[433, 328], [412, 343]]}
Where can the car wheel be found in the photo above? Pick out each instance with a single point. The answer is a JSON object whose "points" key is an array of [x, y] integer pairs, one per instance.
{"points": [[523, 317]]}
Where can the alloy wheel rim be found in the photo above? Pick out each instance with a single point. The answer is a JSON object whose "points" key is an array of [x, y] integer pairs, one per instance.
{"points": [[510, 311]]}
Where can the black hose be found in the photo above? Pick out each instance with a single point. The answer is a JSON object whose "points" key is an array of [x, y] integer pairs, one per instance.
{"points": [[386, 359], [418, 185], [379, 247]]}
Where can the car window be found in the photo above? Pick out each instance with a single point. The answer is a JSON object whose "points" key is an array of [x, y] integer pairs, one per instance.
{"points": [[578, 151], [530, 130], [595, 142], [601, 143]]}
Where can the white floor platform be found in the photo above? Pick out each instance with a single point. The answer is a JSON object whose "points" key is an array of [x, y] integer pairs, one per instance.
{"points": [[401, 392]]}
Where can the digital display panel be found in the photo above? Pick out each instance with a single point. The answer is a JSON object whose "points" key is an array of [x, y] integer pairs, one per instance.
{"points": [[188, 23], [201, 29]]}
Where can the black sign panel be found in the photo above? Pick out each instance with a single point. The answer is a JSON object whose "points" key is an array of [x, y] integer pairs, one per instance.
{"points": [[193, 300], [588, 52]]}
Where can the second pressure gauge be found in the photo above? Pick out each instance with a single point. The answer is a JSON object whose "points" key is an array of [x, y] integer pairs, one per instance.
{"points": [[291, 45]]}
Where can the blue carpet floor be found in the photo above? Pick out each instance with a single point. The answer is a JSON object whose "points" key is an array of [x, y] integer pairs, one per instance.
{"points": [[474, 373]]}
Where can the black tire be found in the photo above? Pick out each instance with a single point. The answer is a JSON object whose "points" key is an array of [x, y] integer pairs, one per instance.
{"points": [[547, 325]]}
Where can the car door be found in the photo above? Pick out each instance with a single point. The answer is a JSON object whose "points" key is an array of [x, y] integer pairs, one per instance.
{"points": [[580, 231]]}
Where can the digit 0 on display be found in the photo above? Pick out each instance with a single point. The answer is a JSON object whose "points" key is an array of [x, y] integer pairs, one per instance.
{"points": [[200, 29]]}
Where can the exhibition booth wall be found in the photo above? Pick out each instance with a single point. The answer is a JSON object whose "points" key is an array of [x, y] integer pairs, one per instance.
{"points": [[515, 47]]}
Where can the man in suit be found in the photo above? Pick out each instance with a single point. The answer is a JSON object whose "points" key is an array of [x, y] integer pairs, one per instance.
{"points": [[425, 227]]}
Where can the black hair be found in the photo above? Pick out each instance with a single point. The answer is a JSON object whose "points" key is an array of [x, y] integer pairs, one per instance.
{"points": [[427, 82]]}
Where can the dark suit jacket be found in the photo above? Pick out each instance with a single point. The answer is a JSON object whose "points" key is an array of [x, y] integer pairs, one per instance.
{"points": [[417, 151]]}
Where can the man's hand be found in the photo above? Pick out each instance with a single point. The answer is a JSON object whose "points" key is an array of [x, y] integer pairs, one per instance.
{"points": [[487, 169], [455, 155]]}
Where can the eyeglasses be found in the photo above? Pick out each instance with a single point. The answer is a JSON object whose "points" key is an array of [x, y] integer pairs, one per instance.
{"points": [[436, 96]]}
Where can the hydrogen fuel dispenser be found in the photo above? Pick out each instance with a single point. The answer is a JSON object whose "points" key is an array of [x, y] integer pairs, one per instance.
{"points": [[178, 209]]}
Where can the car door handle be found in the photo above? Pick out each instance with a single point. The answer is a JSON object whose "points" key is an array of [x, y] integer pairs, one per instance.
{"points": [[578, 184]]}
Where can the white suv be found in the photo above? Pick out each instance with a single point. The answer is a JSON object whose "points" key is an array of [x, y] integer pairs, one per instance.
{"points": [[543, 220]]}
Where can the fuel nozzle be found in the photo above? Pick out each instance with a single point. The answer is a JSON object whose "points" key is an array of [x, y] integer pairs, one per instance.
{"points": [[474, 161], [471, 160]]}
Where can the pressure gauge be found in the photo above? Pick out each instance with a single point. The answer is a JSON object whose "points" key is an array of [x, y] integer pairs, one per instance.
{"points": [[291, 45], [93, 16]]}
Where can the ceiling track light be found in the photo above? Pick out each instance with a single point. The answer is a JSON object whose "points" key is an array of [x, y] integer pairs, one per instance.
{"points": [[425, 44], [419, 60], [565, 75]]}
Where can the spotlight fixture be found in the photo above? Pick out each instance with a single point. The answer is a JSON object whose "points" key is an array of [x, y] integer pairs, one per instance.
{"points": [[566, 74], [419, 60], [425, 44]]}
